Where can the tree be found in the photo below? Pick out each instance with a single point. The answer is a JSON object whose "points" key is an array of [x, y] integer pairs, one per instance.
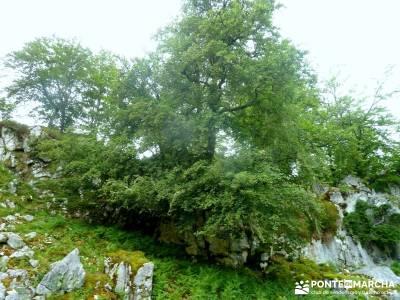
{"points": [[354, 138], [53, 73], [224, 68], [6, 108], [104, 80]]}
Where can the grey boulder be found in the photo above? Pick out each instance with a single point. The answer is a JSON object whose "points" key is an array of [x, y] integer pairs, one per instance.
{"points": [[22, 253], [144, 282], [65, 275], [15, 241], [123, 285]]}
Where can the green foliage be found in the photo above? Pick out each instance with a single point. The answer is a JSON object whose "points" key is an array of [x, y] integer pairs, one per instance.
{"points": [[258, 201], [220, 70], [5, 178], [86, 163], [329, 217], [353, 138], [17, 128], [52, 72], [374, 225], [283, 270], [64, 79], [220, 132], [396, 267], [241, 193], [391, 174], [6, 108]]}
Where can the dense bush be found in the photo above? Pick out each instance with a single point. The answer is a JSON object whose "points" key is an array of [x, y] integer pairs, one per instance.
{"points": [[374, 225], [232, 115], [396, 267], [5, 178], [223, 198], [227, 198]]}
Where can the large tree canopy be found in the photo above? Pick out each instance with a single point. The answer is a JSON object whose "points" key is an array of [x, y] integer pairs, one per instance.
{"points": [[64, 79], [222, 69], [221, 130]]}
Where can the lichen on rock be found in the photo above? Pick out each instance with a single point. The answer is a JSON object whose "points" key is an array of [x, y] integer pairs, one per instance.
{"points": [[65, 275]]}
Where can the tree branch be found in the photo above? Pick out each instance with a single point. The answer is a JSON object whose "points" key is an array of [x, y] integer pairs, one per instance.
{"points": [[240, 107]]}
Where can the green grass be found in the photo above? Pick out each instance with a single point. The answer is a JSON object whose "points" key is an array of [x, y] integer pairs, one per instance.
{"points": [[176, 275], [396, 267]]}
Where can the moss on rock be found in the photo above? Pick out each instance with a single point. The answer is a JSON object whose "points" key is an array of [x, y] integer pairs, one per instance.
{"points": [[135, 258]]}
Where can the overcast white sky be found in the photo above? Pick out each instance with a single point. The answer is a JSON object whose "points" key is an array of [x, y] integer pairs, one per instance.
{"points": [[358, 37]]}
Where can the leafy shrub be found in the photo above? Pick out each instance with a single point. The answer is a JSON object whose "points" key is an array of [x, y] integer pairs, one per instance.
{"points": [[283, 270], [222, 198], [87, 163], [396, 267], [374, 225], [19, 129], [5, 178], [329, 217]]}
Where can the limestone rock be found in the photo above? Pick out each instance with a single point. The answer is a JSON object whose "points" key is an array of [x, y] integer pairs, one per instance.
{"points": [[17, 273], [65, 275], [10, 218], [320, 189], [218, 246], [9, 204], [15, 241], [31, 235], [22, 253], [3, 276], [23, 290], [28, 218], [34, 263], [144, 282], [10, 140], [3, 263], [380, 273], [12, 295], [2, 291], [123, 285]]}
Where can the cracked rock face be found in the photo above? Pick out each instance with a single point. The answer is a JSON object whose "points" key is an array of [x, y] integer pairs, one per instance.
{"points": [[345, 251], [123, 285], [129, 287], [144, 282], [15, 152], [65, 275]]}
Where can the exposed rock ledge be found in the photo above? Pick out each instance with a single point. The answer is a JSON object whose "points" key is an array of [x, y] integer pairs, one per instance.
{"points": [[342, 250]]}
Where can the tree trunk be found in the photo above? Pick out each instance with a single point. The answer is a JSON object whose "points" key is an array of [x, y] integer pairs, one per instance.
{"points": [[211, 139]]}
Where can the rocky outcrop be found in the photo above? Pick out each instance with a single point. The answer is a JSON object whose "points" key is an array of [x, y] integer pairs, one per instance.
{"points": [[14, 241], [16, 152], [65, 275], [231, 251], [131, 275], [123, 284], [343, 250], [144, 282]]}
